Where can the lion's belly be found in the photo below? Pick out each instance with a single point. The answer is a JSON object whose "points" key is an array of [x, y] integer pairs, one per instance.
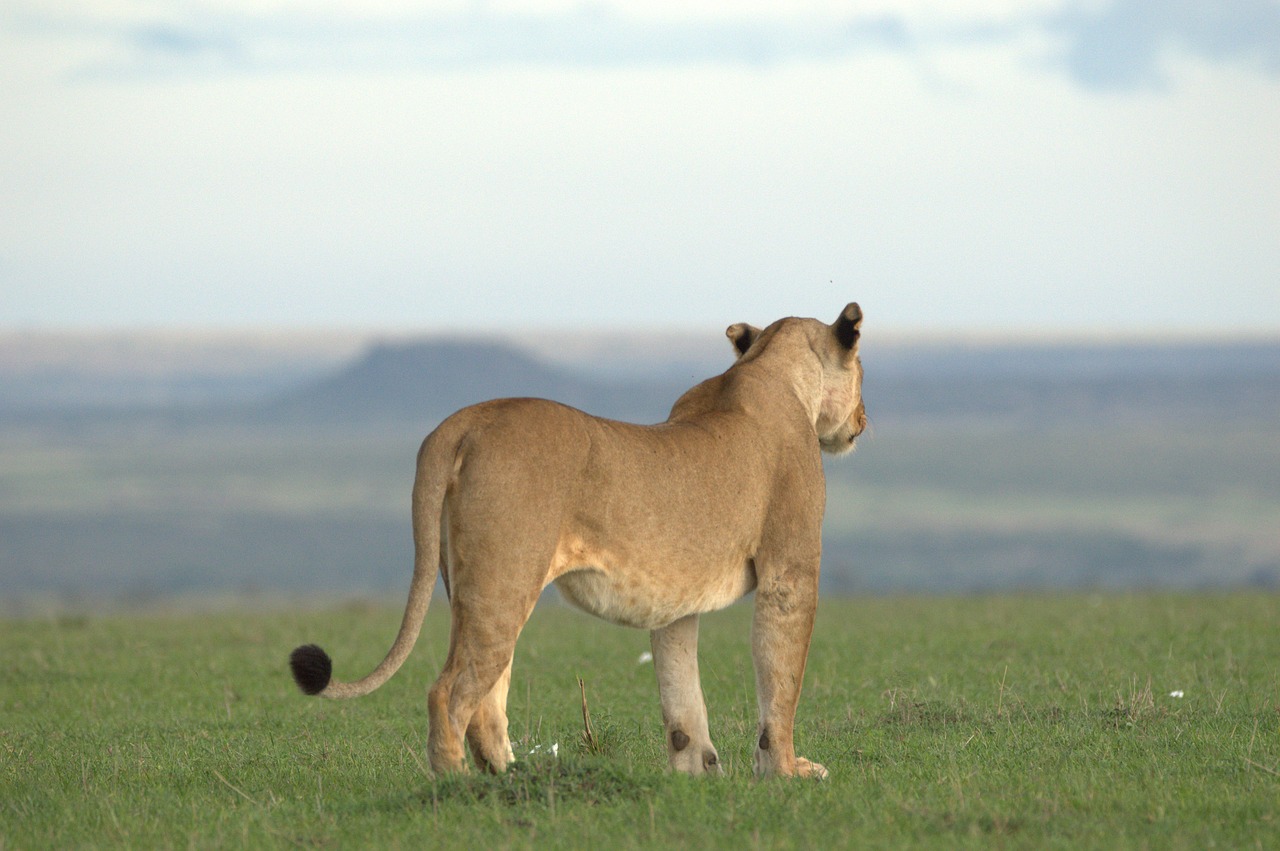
{"points": [[646, 600]]}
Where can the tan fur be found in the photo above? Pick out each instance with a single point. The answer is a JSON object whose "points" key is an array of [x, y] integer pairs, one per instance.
{"points": [[645, 526]]}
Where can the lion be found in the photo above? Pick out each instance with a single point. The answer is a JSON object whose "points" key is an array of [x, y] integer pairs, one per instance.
{"points": [[643, 526]]}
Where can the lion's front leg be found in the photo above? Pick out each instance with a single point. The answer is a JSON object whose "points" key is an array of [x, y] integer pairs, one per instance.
{"points": [[780, 633], [684, 713]]}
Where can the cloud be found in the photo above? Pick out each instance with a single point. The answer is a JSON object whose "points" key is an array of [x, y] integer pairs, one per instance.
{"points": [[1100, 44], [1124, 44], [584, 36], [181, 42]]}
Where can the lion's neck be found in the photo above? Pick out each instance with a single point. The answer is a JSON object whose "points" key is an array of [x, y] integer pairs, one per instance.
{"points": [[779, 375]]}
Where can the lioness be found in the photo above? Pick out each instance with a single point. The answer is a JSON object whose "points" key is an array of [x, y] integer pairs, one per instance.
{"points": [[645, 526]]}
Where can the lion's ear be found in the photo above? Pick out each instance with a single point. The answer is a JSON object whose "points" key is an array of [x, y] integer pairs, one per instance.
{"points": [[848, 326], [742, 336]]}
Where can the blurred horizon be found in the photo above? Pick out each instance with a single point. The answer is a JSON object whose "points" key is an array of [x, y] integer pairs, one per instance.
{"points": [[232, 467]]}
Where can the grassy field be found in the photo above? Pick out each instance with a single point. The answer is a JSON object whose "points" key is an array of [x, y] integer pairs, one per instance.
{"points": [[1032, 722]]}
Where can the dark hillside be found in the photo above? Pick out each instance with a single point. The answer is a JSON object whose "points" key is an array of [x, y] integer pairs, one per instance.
{"points": [[1035, 386], [1038, 402]]}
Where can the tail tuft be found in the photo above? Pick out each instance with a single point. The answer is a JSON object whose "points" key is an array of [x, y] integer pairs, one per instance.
{"points": [[312, 668]]}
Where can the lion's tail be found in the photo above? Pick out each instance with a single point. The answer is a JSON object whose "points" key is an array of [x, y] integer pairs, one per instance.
{"points": [[311, 666]]}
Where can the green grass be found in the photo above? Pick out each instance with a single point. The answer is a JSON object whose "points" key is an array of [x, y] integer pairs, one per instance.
{"points": [[976, 722]]}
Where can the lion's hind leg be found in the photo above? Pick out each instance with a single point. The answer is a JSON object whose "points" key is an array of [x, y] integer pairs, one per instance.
{"points": [[468, 699], [487, 732], [684, 712]]}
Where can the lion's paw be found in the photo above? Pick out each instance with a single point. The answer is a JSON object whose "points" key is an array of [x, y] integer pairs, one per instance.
{"points": [[805, 768]]}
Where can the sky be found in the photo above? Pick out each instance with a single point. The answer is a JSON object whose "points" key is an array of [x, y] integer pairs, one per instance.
{"points": [[1043, 166]]}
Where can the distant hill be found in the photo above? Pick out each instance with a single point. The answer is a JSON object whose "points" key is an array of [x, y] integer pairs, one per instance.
{"points": [[425, 381]]}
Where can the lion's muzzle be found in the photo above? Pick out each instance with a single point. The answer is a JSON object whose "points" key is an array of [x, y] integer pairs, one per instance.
{"points": [[859, 419]]}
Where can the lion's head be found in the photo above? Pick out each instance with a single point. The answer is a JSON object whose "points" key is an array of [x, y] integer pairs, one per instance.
{"points": [[839, 413]]}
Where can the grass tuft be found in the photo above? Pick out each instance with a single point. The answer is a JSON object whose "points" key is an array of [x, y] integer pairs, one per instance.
{"points": [[546, 782], [1135, 705]]}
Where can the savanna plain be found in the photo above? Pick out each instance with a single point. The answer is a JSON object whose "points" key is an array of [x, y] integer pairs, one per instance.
{"points": [[1038, 721]]}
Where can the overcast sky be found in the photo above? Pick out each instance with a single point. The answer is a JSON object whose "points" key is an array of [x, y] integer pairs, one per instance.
{"points": [[1042, 165]]}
